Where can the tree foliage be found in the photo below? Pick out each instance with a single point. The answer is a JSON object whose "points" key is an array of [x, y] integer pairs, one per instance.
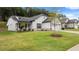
{"points": [[6, 12]]}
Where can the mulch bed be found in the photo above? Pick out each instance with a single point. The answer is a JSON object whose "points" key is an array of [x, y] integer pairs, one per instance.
{"points": [[56, 35]]}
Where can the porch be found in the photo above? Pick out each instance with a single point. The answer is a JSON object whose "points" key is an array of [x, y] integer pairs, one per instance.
{"points": [[23, 26]]}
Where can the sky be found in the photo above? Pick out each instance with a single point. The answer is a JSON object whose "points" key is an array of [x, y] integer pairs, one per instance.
{"points": [[70, 12]]}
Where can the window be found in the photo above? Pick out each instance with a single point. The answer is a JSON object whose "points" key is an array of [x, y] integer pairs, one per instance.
{"points": [[38, 25]]}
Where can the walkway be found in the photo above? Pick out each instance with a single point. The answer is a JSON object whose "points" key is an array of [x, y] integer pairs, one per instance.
{"points": [[75, 32], [75, 48]]}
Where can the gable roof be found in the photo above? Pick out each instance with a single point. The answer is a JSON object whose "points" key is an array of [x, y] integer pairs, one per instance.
{"points": [[73, 21], [49, 20], [37, 16], [14, 17], [63, 21], [27, 19]]}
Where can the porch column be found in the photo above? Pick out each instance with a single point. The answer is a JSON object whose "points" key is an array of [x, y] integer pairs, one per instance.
{"points": [[27, 26], [19, 29]]}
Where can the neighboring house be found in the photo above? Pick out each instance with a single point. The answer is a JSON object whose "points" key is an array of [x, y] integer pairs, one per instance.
{"points": [[63, 23], [38, 22], [73, 23]]}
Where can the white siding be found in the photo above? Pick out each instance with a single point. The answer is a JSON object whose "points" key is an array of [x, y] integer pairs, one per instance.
{"points": [[76, 26], [12, 25], [34, 26], [56, 27], [46, 26], [70, 25], [56, 24], [39, 20]]}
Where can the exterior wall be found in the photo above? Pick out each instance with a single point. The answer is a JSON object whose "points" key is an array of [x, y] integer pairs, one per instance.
{"points": [[39, 20], [56, 27], [56, 24], [12, 25], [56, 21], [63, 25], [71, 25], [33, 26], [76, 26], [46, 26]]}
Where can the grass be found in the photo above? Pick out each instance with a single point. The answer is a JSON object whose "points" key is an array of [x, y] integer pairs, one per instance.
{"points": [[3, 26], [36, 41]]}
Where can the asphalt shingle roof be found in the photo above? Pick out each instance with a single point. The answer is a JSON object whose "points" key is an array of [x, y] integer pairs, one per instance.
{"points": [[73, 21], [27, 19]]}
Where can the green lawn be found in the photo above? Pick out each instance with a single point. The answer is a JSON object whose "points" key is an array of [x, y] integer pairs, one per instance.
{"points": [[36, 41], [3, 26]]}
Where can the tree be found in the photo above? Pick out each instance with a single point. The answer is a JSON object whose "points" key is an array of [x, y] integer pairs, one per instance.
{"points": [[56, 14], [62, 19], [6, 12], [53, 16]]}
